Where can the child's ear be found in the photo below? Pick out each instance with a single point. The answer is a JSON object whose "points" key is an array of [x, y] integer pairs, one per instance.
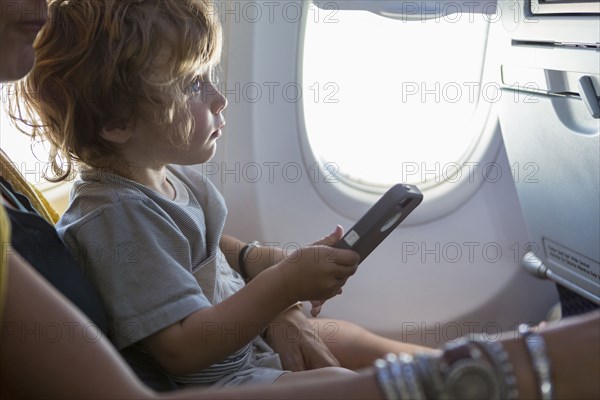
{"points": [[116, 132]]}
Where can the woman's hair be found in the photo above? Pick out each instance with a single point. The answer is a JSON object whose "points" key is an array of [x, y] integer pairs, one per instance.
{"points": [[106, 63]]}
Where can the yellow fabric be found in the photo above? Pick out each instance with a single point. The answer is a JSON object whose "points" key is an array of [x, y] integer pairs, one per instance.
{"points": [[4, 241], [18, 182]]}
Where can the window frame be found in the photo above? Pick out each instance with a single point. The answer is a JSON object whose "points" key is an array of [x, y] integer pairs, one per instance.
{"points": [[352, 199]]}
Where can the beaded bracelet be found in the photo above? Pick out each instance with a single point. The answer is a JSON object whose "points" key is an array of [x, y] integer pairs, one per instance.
{"points": [[429, 375], [409, 371], [385, 380], [398, 381], [399, 377]]}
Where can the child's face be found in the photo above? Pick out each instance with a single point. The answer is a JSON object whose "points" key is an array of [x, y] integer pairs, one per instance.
{"points": [[206, 104]]}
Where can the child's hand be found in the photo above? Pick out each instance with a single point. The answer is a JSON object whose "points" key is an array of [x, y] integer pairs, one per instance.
{"points": [[328, 240], [318, 271], [332, 238]]}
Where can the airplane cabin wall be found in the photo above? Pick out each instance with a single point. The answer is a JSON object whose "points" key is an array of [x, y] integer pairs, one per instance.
{"points": [[429, 281]]}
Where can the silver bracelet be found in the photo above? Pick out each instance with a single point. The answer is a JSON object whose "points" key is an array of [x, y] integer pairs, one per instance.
{"points": [[385, 380], [426, 365], [400, 384], [401, 380], [411, 378], [541, 364]]}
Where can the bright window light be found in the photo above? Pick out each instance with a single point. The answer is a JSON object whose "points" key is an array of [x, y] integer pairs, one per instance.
{"points": [[29, 157], [386, 96]]}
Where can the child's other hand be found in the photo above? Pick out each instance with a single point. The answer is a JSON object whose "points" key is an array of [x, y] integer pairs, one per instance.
{"points": [[317, 305]]}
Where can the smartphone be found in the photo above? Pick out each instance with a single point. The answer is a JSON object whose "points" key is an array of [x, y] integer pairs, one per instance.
{"points": [[381, 219]]}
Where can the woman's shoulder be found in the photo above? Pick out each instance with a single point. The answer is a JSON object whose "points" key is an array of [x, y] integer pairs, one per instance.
{"points": [[36, 242]]}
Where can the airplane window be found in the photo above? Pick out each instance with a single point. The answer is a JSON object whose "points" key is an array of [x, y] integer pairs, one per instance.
{"points": [[388, 100]]}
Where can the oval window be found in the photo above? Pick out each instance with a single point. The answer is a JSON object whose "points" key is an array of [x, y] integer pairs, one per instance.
{"points": [[388, 100]]}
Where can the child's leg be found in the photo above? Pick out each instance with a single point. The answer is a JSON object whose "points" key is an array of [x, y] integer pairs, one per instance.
{"points": [[356, 347], [315, 375]]}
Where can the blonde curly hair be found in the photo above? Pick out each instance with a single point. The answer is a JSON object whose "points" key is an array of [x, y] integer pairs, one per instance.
{"points": [[101, 63]]}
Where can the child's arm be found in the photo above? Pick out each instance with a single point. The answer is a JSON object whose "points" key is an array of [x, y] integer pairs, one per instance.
{"points": [[260, 258], [211, 334], [257, 259]]}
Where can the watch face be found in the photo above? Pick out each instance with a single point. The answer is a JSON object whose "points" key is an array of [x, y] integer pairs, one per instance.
{"points": [[471, 379]]}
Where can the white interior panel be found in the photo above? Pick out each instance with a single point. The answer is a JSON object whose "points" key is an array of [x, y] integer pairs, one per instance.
{"points": [[548, 121]]}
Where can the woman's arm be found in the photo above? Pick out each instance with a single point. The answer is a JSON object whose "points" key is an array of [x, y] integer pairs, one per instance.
{"points": [[51, 350], [573, 349]]}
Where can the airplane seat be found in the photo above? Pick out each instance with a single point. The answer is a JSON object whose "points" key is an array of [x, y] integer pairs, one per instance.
{"points": [[550, 120]]}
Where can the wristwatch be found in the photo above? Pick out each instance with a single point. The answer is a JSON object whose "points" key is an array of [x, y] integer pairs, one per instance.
{"points": [[464, 372]]}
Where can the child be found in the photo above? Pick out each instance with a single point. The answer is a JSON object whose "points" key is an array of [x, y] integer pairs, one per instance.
{"points": [[124, 88]]}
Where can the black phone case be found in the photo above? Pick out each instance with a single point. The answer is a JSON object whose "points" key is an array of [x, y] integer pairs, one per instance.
{"points": [[381, 219]]}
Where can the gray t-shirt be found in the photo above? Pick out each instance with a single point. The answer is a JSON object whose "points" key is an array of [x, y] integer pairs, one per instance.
{"points": [[153, 260]]}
